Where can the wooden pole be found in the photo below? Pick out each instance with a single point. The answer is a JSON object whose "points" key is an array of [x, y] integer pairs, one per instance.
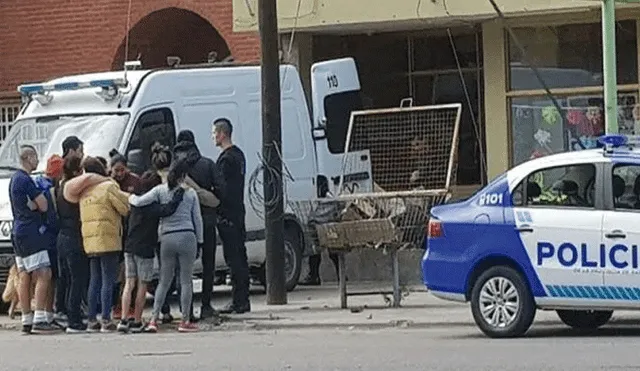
{"points": [[271, 150]]}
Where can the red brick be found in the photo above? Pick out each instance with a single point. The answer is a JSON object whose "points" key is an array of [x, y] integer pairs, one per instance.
{"points": [[48, 38]]}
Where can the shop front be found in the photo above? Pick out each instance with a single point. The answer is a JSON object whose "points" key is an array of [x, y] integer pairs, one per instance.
{"points": [[568, 57]]}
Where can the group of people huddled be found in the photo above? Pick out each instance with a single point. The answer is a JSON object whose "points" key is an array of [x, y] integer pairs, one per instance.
{"points": [[87, 231]]}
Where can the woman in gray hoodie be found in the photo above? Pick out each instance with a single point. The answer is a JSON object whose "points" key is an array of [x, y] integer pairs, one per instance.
{"points": [[180, 237]]}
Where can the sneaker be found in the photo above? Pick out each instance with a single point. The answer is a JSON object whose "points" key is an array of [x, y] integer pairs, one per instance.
{"points": [[208, 312], [152, 327], [57, 325], [188, 327], [167, 318], [232, 308], [60, 317], [76, 328], [311, 280], [108, 327], [44, 328], [26, 329], [93, 326], [123, 325], [136, 327]]}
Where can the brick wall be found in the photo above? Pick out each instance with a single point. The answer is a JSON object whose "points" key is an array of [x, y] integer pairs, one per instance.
{"points": [[48, 38]]}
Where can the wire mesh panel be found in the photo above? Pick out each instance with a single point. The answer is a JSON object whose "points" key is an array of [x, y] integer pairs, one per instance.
{"points": [[412, 153], [410, 148]]}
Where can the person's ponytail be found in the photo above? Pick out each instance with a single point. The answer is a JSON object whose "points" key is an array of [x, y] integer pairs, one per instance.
{"points": [[177, 173], [160, 156]]}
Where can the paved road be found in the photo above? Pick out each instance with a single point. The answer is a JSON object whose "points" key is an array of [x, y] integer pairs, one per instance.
{"points": [[547, 348]]}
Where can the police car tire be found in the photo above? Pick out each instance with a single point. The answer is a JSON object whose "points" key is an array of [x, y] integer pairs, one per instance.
{"points": [[585, 319], [526, 311]]}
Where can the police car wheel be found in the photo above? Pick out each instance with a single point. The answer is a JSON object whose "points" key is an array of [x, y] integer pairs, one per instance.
{"points": [[585, 319], [501, 303]]}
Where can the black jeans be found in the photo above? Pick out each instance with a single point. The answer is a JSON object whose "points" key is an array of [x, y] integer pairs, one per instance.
{"points": [[62, 285], [314, 265], [233, 236], [208, 258], [75, 262]]}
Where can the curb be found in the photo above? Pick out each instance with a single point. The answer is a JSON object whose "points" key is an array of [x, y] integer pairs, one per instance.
{"points": [[238, 325]]}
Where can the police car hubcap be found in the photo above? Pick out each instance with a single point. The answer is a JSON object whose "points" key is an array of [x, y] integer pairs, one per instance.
{"points": [[499, 302]]}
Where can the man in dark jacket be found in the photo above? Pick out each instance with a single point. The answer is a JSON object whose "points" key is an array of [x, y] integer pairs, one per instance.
{"points": [[231, 225], [203, 172]]}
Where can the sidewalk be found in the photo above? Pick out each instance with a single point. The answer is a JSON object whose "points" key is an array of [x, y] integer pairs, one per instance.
{"points": [[319, 307]]}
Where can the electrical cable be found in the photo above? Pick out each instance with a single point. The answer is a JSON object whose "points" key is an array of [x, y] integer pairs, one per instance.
{"points": [[126, 39], [419, 4], [256, 187], [483, 160], [530, 64], [287, 56]]}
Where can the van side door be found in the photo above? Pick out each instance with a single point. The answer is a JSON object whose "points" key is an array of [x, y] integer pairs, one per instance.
{"points": [[335, 94]]}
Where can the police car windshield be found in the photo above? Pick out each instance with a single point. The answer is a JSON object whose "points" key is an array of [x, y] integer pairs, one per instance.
{"points": [[100, 133]]}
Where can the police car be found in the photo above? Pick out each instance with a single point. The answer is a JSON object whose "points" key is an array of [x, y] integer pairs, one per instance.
{"points": [[560, 233]]}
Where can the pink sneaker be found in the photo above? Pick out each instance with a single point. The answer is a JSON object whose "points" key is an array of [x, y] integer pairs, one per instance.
{"points": [[188, 327], [152, 327]]}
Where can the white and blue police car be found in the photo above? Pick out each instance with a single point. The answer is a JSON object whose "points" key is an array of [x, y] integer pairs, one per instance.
{"points": [[560, 233]]}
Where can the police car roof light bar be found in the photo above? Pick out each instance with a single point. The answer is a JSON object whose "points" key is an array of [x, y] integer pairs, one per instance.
{"points": [[31, 89], [618, 141]]}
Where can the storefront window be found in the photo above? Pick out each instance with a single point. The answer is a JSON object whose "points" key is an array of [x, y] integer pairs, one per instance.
{"points": [[570, 56], [538, 129]]}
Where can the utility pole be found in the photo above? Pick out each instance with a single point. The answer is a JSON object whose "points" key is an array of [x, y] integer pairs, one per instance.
{"points": [[609, 65], [271, 150]]}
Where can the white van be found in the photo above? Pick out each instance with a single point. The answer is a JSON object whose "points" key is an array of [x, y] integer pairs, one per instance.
{"points": [[130, 111]]}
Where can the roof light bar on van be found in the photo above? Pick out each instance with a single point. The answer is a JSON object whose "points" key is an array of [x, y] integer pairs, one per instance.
{"points": [[30, 89]]}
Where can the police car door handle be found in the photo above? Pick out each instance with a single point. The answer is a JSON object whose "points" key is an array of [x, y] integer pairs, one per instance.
{"points": [[616, 234], [524, 228]]}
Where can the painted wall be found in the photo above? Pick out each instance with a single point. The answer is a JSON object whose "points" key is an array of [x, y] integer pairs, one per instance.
{"points": [[322, 13], [49, 38]]}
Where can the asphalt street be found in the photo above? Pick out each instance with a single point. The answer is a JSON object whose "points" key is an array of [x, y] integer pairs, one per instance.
{"points": [[458, 348]]}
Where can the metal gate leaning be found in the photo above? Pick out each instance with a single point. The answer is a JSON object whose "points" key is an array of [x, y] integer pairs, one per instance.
{"points": [[413, 159]]}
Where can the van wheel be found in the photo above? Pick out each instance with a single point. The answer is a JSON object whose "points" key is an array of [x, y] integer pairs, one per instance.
{"points": [[292, 260], [585, 319], [292, 257], [501, 303]]}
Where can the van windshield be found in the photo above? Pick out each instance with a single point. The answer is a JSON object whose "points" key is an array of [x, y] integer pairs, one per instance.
{"points": [[100, 133]]}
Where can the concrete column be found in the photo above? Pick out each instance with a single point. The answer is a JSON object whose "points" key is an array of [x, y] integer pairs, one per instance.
{"points": [[495, 100], [301, 56]]}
